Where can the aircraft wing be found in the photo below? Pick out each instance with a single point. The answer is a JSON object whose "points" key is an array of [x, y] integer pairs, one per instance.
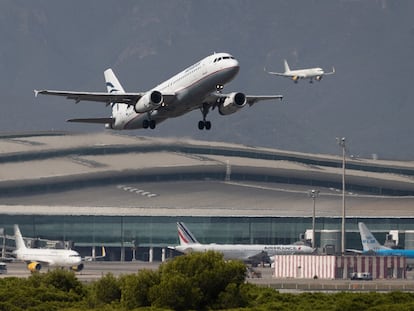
{"points": [[330, 73], [94, 120], [108, 98], [355, 251], [281, 74], [215, 99], [125, 98], [260, 257], [251, 99]]}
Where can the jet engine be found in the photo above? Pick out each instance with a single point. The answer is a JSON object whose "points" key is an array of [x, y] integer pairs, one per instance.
{"points": [[150, 101], [232, 103], [34, 266], [77, 268]]}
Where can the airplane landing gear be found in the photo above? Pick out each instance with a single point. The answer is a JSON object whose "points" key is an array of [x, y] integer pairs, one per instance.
{"points": [[149, 124], [203, 124]]}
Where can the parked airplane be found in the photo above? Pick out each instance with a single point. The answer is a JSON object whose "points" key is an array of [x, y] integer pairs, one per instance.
{"points": [[197, 87], [245, 252], [36, 257], [295, 75], [371, 245]]}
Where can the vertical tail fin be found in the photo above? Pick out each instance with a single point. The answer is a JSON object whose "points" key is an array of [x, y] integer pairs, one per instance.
{"points": [[185, 235], [113, 86], [19, 238], [112, 83], [369, 242], [287, 69]]}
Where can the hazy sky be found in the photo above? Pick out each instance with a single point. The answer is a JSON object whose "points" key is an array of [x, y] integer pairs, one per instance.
{"points": [[67, 45]]}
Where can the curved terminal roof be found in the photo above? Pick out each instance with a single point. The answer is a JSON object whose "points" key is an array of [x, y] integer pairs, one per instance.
{"points": [[130, 175]]}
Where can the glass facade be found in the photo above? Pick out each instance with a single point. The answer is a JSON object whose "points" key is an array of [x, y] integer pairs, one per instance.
{"points": [[117, 232]]}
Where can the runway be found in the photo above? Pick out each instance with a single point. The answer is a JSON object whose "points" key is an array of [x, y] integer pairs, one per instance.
{"points": [[95, 270], [92, 270]]}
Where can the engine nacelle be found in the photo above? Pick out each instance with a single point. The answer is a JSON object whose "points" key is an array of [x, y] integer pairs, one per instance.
{"points": [[34, 267], [150, 101], [77, 268], [233, 103]]}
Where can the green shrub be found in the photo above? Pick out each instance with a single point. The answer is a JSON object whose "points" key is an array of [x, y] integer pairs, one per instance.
{"points": [[135, 288]]}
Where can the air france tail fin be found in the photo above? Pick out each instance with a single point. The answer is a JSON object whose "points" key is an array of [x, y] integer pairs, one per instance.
{"points": [[287, 69], [369, 242], [19, 238], [185, 235]]}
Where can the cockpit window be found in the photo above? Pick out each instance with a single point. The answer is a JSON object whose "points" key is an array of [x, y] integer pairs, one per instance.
{"points": [[221, 58]]}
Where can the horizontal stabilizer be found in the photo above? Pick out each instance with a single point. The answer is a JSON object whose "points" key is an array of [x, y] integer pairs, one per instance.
{"points": [[94, 120]]}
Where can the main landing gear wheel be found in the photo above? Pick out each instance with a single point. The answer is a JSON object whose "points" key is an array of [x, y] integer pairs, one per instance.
{"points": [[149, 124], [204, 125]]}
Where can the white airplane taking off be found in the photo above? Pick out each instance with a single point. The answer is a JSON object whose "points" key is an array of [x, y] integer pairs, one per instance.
{"points": [[36, 257], [197, 87], [295, 75], [244, 252]]}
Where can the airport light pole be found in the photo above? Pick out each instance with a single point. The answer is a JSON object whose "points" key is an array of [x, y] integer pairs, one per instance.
{"points": [[313, 194], [341, 143]]}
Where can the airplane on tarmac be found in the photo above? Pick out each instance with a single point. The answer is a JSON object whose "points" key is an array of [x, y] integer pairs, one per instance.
{"points": [[197, 87], [371, 245], [295, 75], [36, 257], [244, 252]]}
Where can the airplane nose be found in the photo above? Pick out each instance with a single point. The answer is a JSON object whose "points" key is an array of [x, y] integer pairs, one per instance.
{"points": [[235, 66]]}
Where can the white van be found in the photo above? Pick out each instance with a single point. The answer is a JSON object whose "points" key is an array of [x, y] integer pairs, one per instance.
{"points": [[365, 276]]}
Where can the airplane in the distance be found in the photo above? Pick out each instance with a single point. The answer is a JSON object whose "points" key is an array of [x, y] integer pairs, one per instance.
{"points": [[371, 245], [36, 257], [196, 87], [244, 252], [309, 73]]}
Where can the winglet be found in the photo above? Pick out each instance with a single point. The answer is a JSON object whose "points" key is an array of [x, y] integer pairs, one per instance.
{"points": [[36, 92]]}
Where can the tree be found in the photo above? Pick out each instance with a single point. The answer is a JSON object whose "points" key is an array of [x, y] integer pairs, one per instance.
{"points": [[202, 275], [106, 290], [135, 288]]}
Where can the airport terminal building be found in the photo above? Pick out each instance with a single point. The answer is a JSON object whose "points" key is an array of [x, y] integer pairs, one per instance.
{"points": [[127, 193]]}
